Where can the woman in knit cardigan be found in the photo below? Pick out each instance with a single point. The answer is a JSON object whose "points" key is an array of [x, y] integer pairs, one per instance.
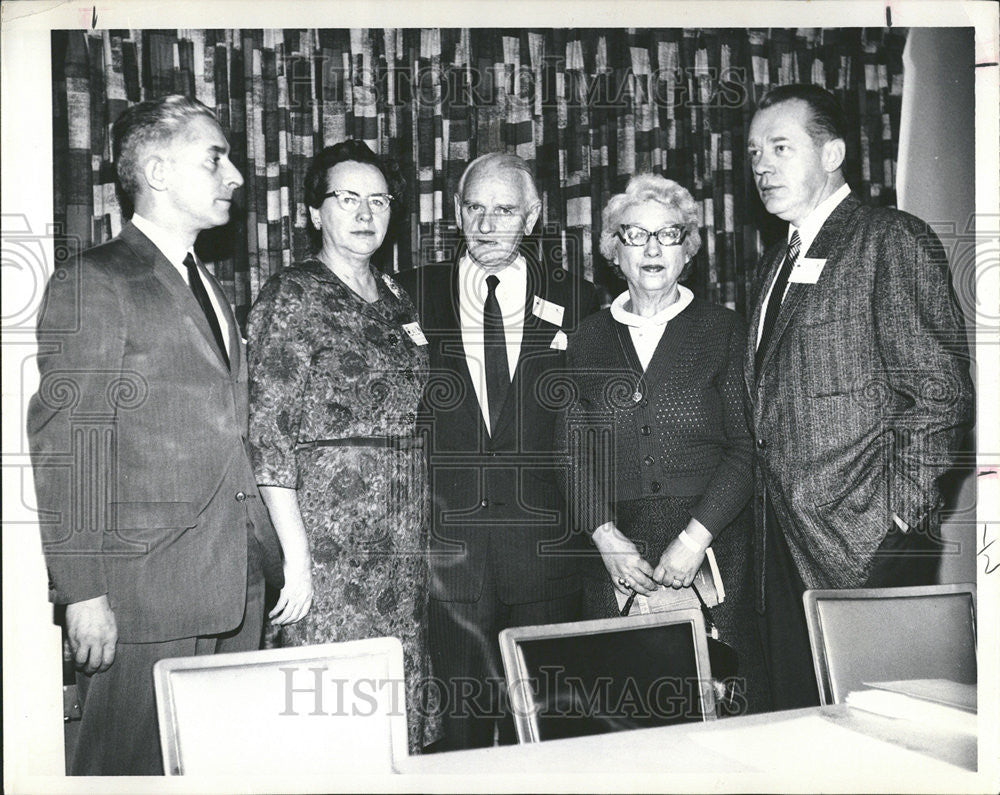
{"points": [[661, 454]]}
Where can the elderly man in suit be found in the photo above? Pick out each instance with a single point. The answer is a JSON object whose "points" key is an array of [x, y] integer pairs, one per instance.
{"points": [[496, 320], [154, 534], [858, 377]]}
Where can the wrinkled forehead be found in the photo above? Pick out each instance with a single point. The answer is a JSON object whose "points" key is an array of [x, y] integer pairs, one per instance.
{"points": [[783, 119], [496, 185], [201, 132], [362, 178], [651, 214]]}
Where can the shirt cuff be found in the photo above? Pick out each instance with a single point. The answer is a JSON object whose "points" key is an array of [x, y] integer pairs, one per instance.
{"points": [[604, 528]]}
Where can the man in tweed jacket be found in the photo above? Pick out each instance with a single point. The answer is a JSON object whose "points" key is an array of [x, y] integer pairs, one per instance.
{"points": [[857, 372]]}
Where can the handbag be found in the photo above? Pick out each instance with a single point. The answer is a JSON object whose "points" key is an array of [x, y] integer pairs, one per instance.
{"points": [[723, 659]]}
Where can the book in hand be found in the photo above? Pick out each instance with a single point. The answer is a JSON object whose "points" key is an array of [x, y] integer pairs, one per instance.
{"points": [[709, 584]]}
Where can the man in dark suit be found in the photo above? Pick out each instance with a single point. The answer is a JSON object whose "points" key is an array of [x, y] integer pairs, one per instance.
{"points": [[154, 534], [501, 553], [858, 376]]}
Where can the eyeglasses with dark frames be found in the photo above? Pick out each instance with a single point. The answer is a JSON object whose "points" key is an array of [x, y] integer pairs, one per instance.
{"points": [[349, 201], [632, 235]]}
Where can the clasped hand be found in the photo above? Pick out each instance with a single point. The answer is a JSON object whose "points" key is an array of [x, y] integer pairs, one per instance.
{"points": [[630, 572], [680, 562]]}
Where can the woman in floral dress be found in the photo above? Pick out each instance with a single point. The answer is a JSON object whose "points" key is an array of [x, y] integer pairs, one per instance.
{"points": [[337, 367]]}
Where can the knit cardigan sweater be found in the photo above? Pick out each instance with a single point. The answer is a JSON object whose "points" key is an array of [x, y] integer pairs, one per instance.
{"points": [[676, 430]]}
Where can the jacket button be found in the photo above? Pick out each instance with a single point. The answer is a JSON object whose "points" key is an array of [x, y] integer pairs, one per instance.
{"points": [[654, 486], [761, 444], [240, 496], [644, 430], [484, 503], [392, 339], [648, 460]]}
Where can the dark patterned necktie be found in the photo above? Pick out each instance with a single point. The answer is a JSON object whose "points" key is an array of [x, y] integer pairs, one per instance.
{"points": [[201, 295], [495, 353], [777, 296]]}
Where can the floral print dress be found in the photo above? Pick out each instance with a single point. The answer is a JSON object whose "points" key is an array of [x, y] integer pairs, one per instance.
{"points": [[325, 364]]}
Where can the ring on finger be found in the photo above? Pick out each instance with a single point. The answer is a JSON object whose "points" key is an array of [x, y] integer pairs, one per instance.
{"points": [[623, 582]]}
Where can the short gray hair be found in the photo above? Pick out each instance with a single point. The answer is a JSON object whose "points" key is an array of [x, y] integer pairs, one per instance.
{"points": [[651, 187], [501, 160], [153, 123]]}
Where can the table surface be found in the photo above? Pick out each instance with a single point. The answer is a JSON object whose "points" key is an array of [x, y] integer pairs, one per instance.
{"points": [[824, 745]]}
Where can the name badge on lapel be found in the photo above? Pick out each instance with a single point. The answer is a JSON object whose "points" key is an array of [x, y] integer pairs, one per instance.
{"points": [[547, 311], [415, 332], [806, 270]]}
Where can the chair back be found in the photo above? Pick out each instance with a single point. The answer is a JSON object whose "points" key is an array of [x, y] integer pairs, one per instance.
{"points": [[592, 677], [889, 634], [313, 709]]}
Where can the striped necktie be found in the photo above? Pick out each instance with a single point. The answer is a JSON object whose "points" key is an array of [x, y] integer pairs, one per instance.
{"points": [[777, 296]]}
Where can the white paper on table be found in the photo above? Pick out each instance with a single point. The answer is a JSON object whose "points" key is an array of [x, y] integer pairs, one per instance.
{"points": [[918, 710], [802, 746]]}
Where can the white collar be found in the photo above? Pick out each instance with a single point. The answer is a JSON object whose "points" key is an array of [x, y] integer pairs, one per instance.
{"points": [[514, 273], [164, 240], [815, 220], [661, 318]]}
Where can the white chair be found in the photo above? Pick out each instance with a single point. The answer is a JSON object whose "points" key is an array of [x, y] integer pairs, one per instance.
{"points": [[889, 634], [333, 707]]}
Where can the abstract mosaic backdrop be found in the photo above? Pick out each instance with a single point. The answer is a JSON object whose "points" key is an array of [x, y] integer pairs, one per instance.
{"points": [[587, 108]]}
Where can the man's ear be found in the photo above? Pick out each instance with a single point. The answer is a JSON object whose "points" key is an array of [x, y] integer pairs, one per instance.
{"points": [[458, 211], [834, 152], [532, 217], [314, 216], [154, 171]]}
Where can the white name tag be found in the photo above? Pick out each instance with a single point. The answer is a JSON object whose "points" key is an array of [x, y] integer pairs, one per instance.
{"points": [[415, 332], [547, 311], [806, 270]]}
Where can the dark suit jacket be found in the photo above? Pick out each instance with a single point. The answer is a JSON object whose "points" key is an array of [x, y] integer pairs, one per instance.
{"points": [[138, 440], [864, 393], [496, 500]]}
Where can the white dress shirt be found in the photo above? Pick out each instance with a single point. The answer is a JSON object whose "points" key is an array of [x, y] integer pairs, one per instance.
{"points": [[511, 294], [807, 234], [175, 253], [647, 331]]}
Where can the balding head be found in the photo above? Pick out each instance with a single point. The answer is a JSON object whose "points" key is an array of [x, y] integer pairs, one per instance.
{"points": [[496, 205]]}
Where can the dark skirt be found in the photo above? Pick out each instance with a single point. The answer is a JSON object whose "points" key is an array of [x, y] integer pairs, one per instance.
{"points": [[651, 524]]}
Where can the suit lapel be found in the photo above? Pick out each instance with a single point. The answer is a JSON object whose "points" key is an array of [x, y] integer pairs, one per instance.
{"points": [[169, 277], [822, 247], [230, 320], [536, 334], [452, 347], [769, 271]]}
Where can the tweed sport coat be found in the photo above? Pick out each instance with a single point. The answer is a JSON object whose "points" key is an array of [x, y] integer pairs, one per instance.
{"points": [[495, 498], [864, 393], [138, 441]]}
